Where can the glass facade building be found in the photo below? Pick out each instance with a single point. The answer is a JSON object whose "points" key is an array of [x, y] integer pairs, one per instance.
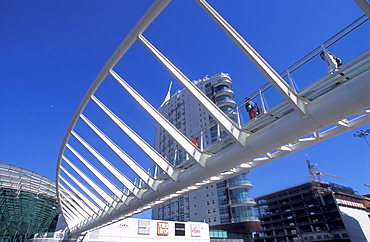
{"points": [[28, 203], [226, 205]]}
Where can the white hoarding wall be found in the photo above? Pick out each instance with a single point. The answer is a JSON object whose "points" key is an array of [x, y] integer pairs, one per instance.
{"points": [[143, 230]]}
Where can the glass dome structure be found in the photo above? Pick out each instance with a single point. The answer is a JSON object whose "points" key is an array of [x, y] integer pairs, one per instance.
{"points": [[28, 202]]}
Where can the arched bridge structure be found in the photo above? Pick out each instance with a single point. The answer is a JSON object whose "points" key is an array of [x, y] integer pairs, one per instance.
{"points": [[99, 183]]}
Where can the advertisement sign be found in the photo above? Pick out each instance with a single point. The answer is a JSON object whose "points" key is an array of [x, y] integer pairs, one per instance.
{"points": [[162, 228], [179, 229], [144, 227], [195, 230]]}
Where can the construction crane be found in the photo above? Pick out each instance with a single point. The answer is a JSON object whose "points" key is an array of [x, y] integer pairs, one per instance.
{"points": [[316, 174]]}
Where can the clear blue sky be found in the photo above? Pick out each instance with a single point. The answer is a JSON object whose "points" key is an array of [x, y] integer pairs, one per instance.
{"points": [[51, 51]]}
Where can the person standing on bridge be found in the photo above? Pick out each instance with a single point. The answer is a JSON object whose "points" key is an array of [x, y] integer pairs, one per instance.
{"points": [[194, 141], [252, 108], [331, 60]]}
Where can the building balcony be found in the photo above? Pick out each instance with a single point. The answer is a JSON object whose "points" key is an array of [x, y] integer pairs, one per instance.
{"points": [[239, 184], [223, 102], [242, 202], [223, 80], [224, 91]]}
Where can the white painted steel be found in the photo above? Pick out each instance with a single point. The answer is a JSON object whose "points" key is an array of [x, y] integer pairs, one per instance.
{"points": [[77, 201], [112, 169], [80, 195], [126, 158], [301, 121], [68, 201], [152, 153], [94, 198], [212, 109], [86, 178], [185, 143], [111, 186], [296, 101]]}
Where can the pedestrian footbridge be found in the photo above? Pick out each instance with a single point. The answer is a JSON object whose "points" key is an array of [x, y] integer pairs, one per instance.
{"points": [[99, 183]]}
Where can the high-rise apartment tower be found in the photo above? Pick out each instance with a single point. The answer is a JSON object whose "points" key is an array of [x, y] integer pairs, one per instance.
{"points": [[225, 205]]}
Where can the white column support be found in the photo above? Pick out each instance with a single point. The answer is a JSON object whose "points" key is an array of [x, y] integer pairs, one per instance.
{"points": [[185, 143], [77, 212], [144, 146], [78, 200], [108, 199], [108, 183], [96, 199], [296, 101], [220, 117], [67, 213], [135, 167], [112, 169], [91, 205], [73, 202]]}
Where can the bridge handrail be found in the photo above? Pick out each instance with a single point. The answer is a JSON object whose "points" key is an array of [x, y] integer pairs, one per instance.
{"points": [[326, 44]]}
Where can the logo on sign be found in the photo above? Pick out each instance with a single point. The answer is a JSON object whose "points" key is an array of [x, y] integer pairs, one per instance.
{"points": [[162, 228], [195, 230], [179, 229], [144, 227]]}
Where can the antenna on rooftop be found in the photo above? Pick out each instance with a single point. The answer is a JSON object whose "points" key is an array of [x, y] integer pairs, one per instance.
{"points": [[316, 174]]}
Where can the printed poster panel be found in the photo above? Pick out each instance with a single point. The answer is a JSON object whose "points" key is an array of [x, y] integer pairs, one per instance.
{"points": [[162, 228], [195, 230], [179, 229], [144, 227]]}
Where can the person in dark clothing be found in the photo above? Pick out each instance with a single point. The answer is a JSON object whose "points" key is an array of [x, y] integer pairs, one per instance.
{"points": [[252, 108]]}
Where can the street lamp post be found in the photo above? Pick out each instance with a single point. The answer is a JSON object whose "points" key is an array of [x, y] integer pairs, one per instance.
{"points": [[363, 134]]}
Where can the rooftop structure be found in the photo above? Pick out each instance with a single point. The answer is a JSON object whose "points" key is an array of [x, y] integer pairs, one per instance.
{"points": [[313, 211], [28, 202]]}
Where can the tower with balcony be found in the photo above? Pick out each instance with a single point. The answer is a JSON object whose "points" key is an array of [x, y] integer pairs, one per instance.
{"points": [[226, 205]]}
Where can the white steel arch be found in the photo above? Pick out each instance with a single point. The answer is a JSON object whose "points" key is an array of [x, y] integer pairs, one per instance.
{"points": [[103, 193]]}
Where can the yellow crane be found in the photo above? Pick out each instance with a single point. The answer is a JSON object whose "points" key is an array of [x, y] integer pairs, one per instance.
{"points": [[316, 174]]}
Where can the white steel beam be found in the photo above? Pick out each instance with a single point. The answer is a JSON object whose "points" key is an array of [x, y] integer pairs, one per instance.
{"points": [[135, 167], [149, 16], [144, 146], [108, 198], [108, 183], [220, 117], [77, 212], [183, 141], [67, 194], [71, 214], [75, 205], [91, 205], [112, 169], [95, 198], [295, 100]]}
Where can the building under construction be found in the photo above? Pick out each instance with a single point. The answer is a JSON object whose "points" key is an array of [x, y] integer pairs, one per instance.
{"points": [[313, 211]]}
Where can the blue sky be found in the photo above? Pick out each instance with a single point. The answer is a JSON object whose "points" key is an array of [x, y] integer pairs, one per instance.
{"points": [[51, 52]]}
